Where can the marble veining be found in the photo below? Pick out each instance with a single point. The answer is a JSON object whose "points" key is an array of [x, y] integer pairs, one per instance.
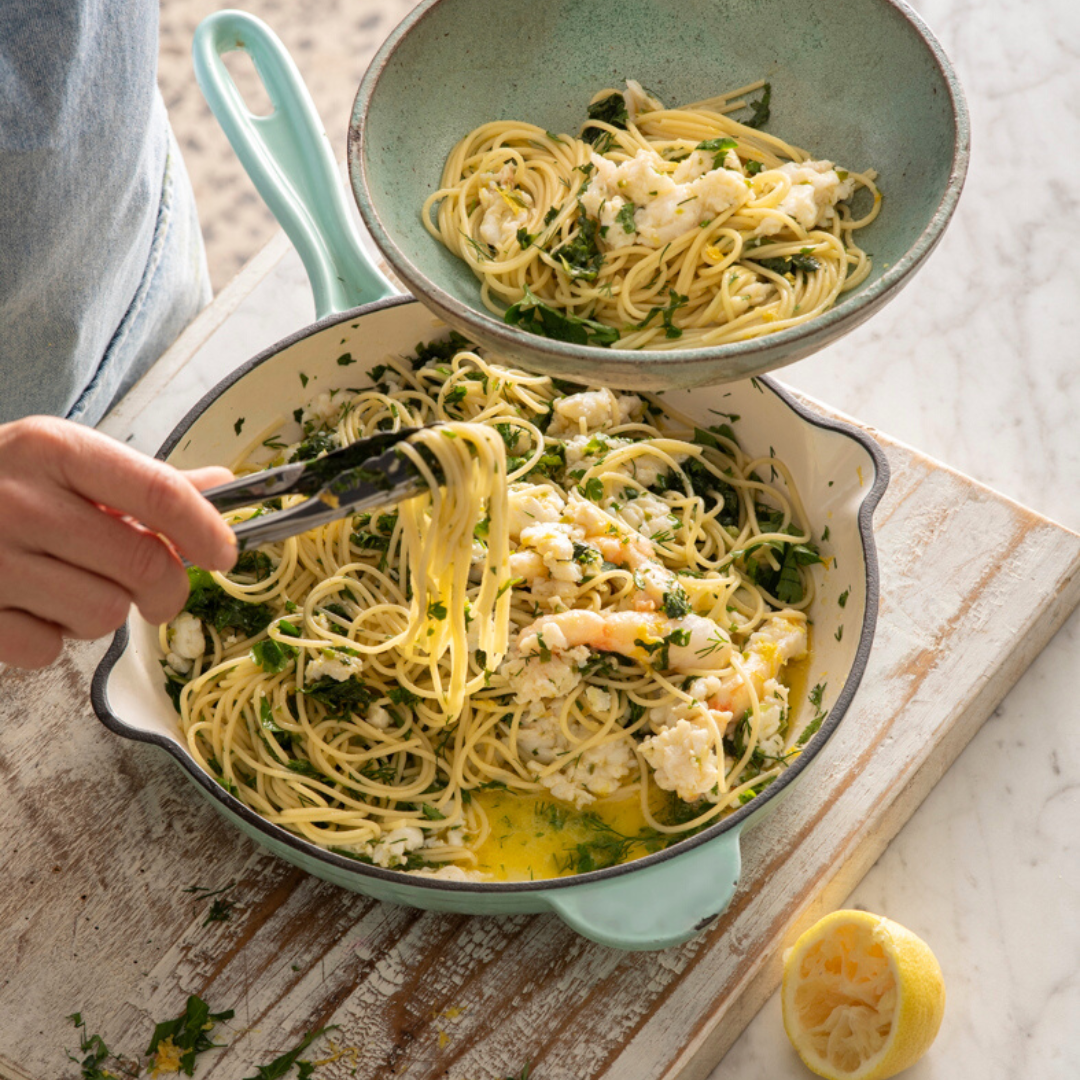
{"points": [[977, 362]]}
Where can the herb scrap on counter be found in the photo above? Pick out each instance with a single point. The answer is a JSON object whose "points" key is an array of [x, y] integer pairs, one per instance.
{"points": [[96, 1053], [280, 1066], [189, 1033], [220, 908]]}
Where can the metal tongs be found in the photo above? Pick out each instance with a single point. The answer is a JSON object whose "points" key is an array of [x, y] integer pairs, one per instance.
{"points": [[367, 473]]}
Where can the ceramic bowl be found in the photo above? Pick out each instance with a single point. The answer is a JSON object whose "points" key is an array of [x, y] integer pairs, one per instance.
{"points": [[856, 81], [657, 901]]}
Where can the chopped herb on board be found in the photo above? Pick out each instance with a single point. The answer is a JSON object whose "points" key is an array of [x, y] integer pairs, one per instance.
{"points": [[280, 1066], [220, 908], [176, 1043], [96, 1053]]}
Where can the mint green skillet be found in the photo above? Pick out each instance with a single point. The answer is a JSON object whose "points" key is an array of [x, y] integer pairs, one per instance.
{"points": [[655, 902]]}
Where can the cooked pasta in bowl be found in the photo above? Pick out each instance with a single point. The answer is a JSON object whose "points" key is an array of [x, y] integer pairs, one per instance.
{"points": [[657, 195], [594, 653], [654, 228]]}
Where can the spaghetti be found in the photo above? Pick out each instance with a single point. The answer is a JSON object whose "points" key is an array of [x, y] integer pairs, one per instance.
{"points": [[612, 632], [657, 228]]}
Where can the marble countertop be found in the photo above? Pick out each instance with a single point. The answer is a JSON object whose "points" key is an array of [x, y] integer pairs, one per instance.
{"points": [[976, 363]]}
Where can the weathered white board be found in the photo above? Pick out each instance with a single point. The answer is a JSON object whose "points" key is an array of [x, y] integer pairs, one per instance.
{"points": [[99, 838]]}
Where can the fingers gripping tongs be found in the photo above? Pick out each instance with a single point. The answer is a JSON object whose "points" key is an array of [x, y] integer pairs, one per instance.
{"points": [[367, 473]]}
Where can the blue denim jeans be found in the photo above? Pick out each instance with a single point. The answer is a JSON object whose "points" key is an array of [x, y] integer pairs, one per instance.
{"points": [[101, 257]]}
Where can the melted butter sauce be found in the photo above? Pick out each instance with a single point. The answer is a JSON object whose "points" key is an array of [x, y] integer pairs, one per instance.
{"points": [[533, 838]]}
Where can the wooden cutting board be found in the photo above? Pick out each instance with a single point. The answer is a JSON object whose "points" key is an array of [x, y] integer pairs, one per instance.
{"points": [[99, 837]]}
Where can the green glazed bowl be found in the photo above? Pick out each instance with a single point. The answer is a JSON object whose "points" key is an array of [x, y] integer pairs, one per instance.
{"points": [[862, 82]]}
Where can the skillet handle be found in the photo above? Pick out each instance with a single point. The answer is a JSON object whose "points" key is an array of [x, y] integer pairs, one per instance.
{"points": [[288, 156], [659, 907]]}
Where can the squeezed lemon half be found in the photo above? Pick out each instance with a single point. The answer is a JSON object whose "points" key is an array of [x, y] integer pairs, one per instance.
{"points": [[862, 997]]}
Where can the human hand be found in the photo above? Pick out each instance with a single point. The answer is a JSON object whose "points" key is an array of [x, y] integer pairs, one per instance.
{"points": [[88, 527]]}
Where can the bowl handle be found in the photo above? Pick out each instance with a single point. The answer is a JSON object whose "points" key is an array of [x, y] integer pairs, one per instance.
{"points": [[659, 906], [288, 156]]}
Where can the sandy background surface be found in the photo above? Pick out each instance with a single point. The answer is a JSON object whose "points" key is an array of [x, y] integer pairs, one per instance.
{"points": [[332, 42]]}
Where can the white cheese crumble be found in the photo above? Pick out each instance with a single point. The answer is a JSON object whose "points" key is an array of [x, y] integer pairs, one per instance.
{"points": [[684, 760], [324, 410], [392, 847], [595, 772], [506, 208], [666, 203], [815, 190], [531, 678], [449, 872], [187, 642], [334, 665], [593, 410], [533, 504]]}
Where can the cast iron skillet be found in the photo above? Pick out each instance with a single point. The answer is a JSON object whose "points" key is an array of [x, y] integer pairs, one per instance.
{"points": [[655, 902]]}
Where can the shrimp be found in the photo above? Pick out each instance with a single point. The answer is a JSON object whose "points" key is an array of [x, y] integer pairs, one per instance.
{"points": [[621, 545], [692, 643], [781, 638]]}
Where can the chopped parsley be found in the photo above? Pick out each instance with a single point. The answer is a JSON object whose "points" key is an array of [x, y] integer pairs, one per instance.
{"points": [[280, 1066], [676, 602], [760, 108], [536, 317], [676, 301], [339, 698], [345, 359], [789, 264], [220, 908], [210, 602], [581, 257], [609, 110], [272, 656], [719, 149], [189, 1033], [95, 1054], [814, 697], [625, 218]]}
